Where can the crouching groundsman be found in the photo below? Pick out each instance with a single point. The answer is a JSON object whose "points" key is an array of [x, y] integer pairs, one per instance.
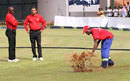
{"points": [[35, 20], [106, 39]]}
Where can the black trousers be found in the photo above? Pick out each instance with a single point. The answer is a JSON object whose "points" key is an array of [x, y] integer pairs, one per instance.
{"points": [[11, 34], [35, 36]]}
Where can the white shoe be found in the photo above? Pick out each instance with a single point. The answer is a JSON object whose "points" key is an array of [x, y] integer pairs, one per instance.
{"points": [[15, 60], [10, 60], [34, 59], [41, 59]]}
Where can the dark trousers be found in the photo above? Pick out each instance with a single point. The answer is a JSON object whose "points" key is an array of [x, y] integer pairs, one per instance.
{"points": [[35, 36], [11, 34]]}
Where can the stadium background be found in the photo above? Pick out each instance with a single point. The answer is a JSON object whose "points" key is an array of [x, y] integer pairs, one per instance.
{"points": [[22, 8], [48, 8]]}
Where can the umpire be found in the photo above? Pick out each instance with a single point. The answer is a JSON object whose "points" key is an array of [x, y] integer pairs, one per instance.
{"points": [[11, 24], [35, 20]]}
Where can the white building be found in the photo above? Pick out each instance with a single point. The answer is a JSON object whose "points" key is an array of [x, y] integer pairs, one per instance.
{"points": [[49, 8]]}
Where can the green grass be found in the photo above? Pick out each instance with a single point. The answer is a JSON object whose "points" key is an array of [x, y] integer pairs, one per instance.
{"points": [[55, 67]]}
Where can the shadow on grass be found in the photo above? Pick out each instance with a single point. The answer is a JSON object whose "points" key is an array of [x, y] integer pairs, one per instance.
{"points": [[3, 61], [68, 48], [24, 58]]}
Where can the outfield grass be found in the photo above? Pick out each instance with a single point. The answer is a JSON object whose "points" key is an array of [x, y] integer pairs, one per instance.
{"points": [[55, 67]]}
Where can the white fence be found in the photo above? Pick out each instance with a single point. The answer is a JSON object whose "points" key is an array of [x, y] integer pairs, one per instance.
{"points": [[92, 21]]}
